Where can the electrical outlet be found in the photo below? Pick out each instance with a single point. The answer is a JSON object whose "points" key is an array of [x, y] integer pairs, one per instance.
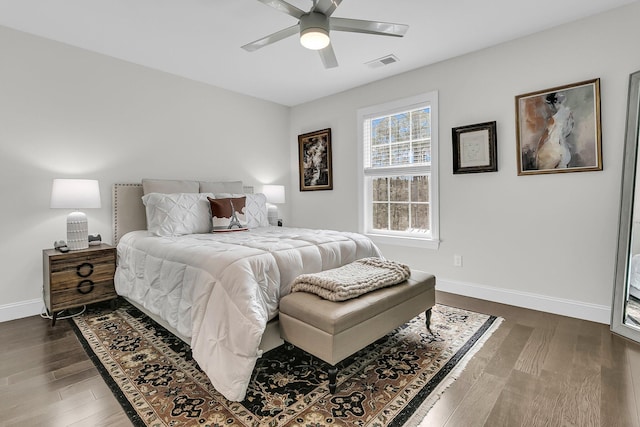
{"points": [[457, 260]]}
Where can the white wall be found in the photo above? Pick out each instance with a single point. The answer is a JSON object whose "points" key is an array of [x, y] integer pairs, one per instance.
{"points": [[543, 241], [66, 112]]}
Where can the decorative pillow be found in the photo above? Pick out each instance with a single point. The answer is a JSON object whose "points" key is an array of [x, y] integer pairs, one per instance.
{"points": [[221, 187], [228, 214], [255, 208], [169, 186], [177, 214]]}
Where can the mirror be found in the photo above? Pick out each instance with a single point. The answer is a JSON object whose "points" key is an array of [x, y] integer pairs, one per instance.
{"points": [[625, 315]]}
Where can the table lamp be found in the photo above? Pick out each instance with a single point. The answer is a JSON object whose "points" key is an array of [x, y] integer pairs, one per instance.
{"points": [[76, 194], [275, 194]]}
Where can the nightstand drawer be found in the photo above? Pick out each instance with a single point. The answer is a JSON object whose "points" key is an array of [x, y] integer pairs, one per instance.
{"points": [[69, 278], [85, 292], [71, 261]]}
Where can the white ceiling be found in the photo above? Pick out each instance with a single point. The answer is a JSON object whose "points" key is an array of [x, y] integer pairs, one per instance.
{"points": [[201, 39]]}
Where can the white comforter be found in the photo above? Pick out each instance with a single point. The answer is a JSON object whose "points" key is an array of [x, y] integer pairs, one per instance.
{"points": [[220, 289]]}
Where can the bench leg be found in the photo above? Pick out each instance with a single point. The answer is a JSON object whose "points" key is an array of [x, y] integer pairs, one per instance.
{"points": [[428, 321], [332, 371], [333, 375]]}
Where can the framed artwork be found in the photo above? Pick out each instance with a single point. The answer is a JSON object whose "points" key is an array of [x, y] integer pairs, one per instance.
{"points": [[558, 129], [314, 149], [474, 148]]}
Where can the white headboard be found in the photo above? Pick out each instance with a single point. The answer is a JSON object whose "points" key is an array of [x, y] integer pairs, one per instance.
{"points": [[128, 211]]}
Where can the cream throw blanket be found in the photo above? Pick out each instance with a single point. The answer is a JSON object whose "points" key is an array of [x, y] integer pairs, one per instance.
{"points": [[352, 280]]}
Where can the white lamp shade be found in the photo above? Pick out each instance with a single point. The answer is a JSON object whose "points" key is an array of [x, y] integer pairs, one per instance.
{"points": [[274, 193], [75, 194]]}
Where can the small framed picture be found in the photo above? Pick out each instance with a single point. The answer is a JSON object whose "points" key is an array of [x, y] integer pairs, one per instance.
{"points": [[474, 148], [558, 129], [314, 149]]}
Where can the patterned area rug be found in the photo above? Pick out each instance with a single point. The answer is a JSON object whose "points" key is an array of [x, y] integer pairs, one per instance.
{"points": [[392, 382]]}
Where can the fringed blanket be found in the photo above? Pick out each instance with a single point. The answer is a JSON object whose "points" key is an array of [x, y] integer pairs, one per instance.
{"points": [[352, 280]]}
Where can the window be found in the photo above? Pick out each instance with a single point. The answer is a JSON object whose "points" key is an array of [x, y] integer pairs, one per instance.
{"points": [[398, 171]]}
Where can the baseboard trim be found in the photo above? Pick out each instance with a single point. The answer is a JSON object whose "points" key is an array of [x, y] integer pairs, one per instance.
{"points": [[564, 307], [18, 310]]}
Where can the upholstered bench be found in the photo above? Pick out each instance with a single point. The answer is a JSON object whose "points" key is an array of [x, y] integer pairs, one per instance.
{"points": [[333, 331]]}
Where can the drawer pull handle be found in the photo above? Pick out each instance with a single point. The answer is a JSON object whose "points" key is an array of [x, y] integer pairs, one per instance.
{"points": [[85, 269], [84, 284]]}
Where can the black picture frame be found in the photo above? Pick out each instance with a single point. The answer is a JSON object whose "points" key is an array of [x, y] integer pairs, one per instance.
{"points": [[475, 148], [314, 153]]}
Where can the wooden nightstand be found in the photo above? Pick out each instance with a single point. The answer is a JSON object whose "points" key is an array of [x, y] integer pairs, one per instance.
{"points": [[77, 278]]}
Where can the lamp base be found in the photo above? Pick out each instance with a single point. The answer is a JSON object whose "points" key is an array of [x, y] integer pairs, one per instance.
{"points": [[272, 214], [77, 231]]}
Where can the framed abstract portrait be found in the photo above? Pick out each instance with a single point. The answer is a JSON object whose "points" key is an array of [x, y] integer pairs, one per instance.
{"points": [[558, 129], [314, 151]]}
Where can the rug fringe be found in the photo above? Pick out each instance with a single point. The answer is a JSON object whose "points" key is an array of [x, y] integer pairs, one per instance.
{"points": [[419, 415]]}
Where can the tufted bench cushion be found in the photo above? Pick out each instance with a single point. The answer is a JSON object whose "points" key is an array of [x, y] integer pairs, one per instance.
{"points": [[333, 331]]}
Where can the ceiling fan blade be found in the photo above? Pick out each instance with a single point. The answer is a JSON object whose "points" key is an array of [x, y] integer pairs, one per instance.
{"points": [[368, 27], [326, 7], [285, 7], [328, 57], [271, 38]]}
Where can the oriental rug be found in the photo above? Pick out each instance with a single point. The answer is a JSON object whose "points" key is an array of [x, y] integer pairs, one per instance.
{"points": [[392, 382]]}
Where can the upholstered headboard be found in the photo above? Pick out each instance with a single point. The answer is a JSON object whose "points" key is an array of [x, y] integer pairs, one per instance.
{"points": [[128, 211]]}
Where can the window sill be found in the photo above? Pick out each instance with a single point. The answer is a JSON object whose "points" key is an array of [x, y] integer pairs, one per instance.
{"points": [[405, 241]]}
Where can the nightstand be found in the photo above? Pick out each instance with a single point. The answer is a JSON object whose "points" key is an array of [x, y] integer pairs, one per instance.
{"points": [[78, 277]]}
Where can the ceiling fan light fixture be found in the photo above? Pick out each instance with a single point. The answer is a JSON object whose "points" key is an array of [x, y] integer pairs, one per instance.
{"points": [[314, 26], [314, 31], [314, 38]]}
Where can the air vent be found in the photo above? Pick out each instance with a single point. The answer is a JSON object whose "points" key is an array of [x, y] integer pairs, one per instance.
{"points": [[385, 60]]}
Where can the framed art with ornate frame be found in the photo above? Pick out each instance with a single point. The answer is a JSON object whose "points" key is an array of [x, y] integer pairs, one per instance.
{"points": [[314, 150]]}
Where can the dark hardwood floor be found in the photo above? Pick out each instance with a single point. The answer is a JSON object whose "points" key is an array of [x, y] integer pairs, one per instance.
{"points": [[537, 369], [46, 379]]}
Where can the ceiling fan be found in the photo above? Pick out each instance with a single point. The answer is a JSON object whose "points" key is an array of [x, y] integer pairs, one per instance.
{"points": [[314, 26]]}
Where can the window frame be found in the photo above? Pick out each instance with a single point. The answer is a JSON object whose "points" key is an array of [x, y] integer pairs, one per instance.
{"points": [[431, 240]]}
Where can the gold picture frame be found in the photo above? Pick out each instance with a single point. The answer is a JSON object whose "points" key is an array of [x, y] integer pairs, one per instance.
{"points": [[558, 129], [314, 153]]}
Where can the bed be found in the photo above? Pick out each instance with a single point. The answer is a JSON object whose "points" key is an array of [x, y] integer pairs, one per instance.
{"points": [[218, 292]]}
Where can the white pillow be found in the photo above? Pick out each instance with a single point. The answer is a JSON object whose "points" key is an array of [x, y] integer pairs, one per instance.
{"points": [[178, 213], [169, 186], [255, 208], [221, 187]]}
